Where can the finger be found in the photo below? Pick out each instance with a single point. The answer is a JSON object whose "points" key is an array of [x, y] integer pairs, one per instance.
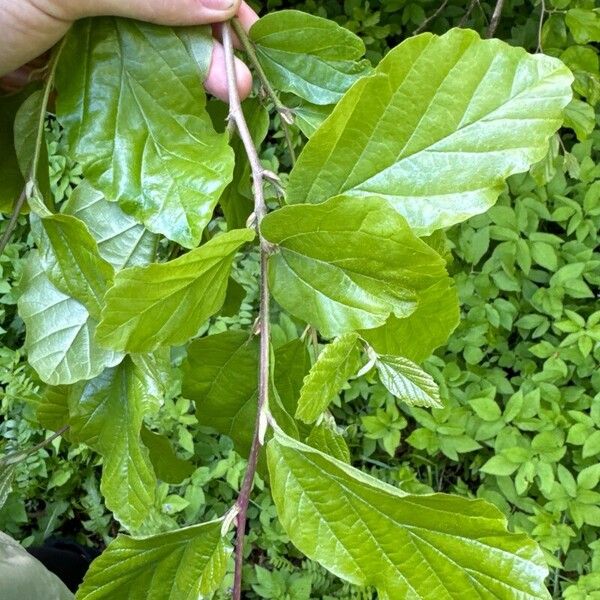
{"points": [[165, 12], [246, 16], [216, 80]]}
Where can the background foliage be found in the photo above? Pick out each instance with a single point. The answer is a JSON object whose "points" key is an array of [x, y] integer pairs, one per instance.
{"points": [[520, 382]]}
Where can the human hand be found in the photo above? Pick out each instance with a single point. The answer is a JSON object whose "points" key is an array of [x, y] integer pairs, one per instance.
{"points": [[30, 27]]}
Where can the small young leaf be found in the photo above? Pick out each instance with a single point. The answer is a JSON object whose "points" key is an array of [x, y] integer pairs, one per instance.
{"points": [[408, 382], [312, 57], [437, 129], [166, 303], [185, 564], [407, 546], [139, 127], [338, 361], [59, 331], [347, 264], [220, 374], [122, 241]]}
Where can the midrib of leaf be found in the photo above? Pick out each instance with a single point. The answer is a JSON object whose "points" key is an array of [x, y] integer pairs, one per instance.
{"points": [[379, 303], [410, 529]]}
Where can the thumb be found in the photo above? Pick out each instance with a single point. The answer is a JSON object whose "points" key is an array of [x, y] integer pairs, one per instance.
{"points": [[164, 12]]}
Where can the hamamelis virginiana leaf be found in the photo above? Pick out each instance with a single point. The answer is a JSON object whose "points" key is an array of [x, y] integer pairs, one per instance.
{"points": [[220, 374], [437, 129], [166, 303], [336, 363], [59, 331], [122, 241], [106, 413], [187, 564], [139, 128], [312, 57], [348, 263], [413, 547]]}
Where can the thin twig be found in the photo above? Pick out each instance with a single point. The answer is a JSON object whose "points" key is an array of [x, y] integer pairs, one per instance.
{"points": [[11, 458], [260, 210], [466, 16], [540, 26], [430, 18], [495, 18], [32, 176], [284, 112]]}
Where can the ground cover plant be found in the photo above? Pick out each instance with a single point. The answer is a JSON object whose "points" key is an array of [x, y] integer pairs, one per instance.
{"points": [[411, 284]]}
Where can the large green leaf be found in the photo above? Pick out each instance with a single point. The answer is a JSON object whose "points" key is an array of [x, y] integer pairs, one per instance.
{"points": [[312, 57], [407, 381], [220, 374], [165, 304], [338, 361], [139, 127], [122, 241], [187, 564], [435, 546], [437, 129], [348, 263], [419, 334], [7, 474], [59, 331], [106, 413], [71, 260], [22, 577]]}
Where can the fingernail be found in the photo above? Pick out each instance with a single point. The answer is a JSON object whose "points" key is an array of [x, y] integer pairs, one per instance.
{"points": [[218, 4]]}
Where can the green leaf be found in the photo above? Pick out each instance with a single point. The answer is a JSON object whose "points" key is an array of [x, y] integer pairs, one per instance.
{"points": [[309, 117], [584, 24], [186, 564], [581, 118], [166, 304], [121, 240], [167, 465], [347, 264], [23, 577], [52, 411], [327, 439], [70, 258], [408, 382], [59, 331], [311, 57], [220, 374], [139, 128], [292, 363], [429, 326], [106, 414], [27, 121], [338, 361], [437, 129], [408, 546], [10, 174], [236, 199]]}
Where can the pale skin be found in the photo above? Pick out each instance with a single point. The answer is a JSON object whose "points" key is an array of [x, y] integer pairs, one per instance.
{"points": [[30, 27]]}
